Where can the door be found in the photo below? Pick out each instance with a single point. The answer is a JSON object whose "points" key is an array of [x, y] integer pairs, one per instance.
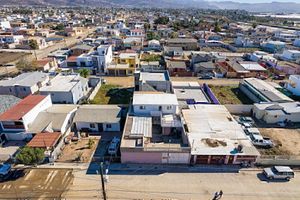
{"points": [[100, 127]]}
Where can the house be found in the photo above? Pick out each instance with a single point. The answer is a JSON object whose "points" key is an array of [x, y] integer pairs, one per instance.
{"points": [[24, 84], [273, 46], [79, 49], [189, 93], [185, 43], [290, 55], [98, 118], [261, 91], [153, 81], [153, 131], [178, 68], [154, 45], [288, 68], [104, 57], [134, 43], [234, 68], [204, 68], [274, 112], [148, 66], [215, 137], [11, 39], [293, 84], [136, 33], [296, 43], [57, 118], [50, 142], [74, 31], [66, 88], [47, 64], [123, 64], [15, 121], [173, 51], [261, 56]]}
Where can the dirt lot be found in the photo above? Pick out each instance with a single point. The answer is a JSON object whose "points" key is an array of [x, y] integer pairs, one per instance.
{"points": [[73, 150], [7, 57], [230, 95], [217, 81], [37, 184], [126, 81], [287, 141], [113, 94]]}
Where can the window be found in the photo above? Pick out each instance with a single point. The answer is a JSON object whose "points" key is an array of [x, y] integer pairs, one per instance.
{"points": [[92, 125], [108, 125], [159, 108], [142, 107], [169, 107], [24, 89]]}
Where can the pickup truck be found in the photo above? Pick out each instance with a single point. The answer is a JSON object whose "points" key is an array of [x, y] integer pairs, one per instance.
{"points": [[259, 141], [5, 171]]}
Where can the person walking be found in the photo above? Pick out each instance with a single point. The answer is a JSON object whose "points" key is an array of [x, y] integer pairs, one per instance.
{"points": [[216, 196], [220, 194]]}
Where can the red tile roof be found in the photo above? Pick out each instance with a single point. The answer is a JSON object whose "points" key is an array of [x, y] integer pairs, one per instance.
{"points": [[72, 59], [22, 108], [44, 140]]}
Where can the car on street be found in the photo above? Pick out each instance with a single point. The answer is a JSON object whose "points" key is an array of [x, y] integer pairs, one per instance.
{"points": [[5, 171], [279, 172], [113, 146]]}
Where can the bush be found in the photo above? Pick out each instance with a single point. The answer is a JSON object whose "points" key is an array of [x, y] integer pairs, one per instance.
{"points": [[30, 156], [91, 143]]}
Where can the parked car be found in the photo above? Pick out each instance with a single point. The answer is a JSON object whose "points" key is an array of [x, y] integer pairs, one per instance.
{"points": [[260, 141], [279, 172], [5, 170], [246, 125], [113, 146], [252, 131], [206, 76], [244, 119]]}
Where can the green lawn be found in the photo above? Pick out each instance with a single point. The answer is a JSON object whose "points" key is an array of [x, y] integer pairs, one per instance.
{"points": [[230, 95], [113, 94]]}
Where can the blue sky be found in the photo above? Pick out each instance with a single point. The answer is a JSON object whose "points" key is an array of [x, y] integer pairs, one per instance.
{"points": [[259, 1]]}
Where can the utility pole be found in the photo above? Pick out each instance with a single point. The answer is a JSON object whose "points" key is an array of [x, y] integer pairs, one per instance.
{"points": [[102, 181]]}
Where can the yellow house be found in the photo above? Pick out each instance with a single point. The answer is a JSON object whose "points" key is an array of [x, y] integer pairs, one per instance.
{"points": [[124, 64]]}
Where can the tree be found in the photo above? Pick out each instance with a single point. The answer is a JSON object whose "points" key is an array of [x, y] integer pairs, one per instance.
{"points": [[217, 27], [33, 44], [84, 72], [59, 27], [91, 143], [162, 20], [29, 155], [26, 65]]}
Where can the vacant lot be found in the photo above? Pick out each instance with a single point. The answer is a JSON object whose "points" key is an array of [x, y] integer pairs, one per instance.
{"points": [[7, 57], [287, 141], [126, 81], [37, 184], [73, 151], [113, 94], [230, 95]]}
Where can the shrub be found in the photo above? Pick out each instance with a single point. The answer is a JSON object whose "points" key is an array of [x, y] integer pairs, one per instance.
{"points": [[30, 156]]}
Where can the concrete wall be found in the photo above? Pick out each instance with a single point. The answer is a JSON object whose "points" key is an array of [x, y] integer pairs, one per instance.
{"points": [[32, 114], [141, 157], [86, 125], [239, 109]]}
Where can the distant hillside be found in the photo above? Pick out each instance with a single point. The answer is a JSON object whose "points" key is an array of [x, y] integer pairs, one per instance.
{"points": [[253, 7]]}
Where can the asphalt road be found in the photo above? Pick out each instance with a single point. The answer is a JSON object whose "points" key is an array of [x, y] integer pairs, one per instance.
{"points": [[140, 184]]}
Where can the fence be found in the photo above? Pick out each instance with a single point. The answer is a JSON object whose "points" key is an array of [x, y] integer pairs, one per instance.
{"points": [[239, 109], [278, 160]]}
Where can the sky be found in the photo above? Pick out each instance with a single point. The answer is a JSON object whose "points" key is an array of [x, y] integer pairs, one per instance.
{"points": [[260, 1]]}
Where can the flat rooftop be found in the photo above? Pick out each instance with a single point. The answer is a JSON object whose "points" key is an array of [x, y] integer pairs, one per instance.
{"points": [[267, 90], [61, 83], [154, 98], [211, 130], [153, 76], [25, 79]]}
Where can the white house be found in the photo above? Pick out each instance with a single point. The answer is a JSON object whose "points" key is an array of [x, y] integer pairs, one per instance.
{"points": [[273, 113], [290, 55], [105, 57], [293, 84], [66, 88], [4, 25], [98, 118], [16, 121], [11, 39], [154, 103], [24, 84]]}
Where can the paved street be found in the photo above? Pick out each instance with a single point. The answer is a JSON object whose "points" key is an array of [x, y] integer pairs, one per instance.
{"points": [[143, 184]]}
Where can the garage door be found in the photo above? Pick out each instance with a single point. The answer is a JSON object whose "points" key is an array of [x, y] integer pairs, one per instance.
{"points": [[175, 158]]}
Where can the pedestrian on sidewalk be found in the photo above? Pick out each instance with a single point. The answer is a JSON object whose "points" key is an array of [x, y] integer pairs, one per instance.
{"points": [[220, 194]]}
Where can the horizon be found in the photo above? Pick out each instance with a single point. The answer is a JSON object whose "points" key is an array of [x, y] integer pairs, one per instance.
{"points": [[258, 1]]}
